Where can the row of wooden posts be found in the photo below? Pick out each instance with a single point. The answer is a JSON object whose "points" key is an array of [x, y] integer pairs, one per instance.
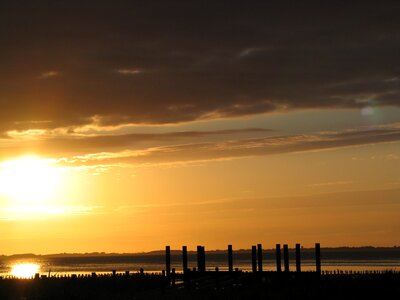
{"points": [[256, 258]]}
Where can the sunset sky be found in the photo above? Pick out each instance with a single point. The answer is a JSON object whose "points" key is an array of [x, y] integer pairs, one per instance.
{"points": [[129, 125]]}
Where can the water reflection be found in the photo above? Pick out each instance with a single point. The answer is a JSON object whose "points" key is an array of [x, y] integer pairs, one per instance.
{"points": [[25, 270]]}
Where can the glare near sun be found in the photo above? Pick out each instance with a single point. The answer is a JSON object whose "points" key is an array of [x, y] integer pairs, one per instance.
{"points": [[29, 180], [25, 270]]}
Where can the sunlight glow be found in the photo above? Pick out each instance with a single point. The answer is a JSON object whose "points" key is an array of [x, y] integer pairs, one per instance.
{"points": [[25, 270], [29, 179], [31, 212]]}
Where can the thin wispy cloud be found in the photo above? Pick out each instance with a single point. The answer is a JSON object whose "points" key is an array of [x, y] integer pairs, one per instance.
{"points": [[330, 183], [49, 74], [129, 71], [247, 52]]}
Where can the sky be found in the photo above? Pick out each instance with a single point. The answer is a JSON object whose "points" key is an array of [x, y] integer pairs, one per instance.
{"points": [[126, 126]]}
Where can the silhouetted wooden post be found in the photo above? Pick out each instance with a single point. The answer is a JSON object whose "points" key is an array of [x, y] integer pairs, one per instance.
{"points": [[230, 258], [278, 258], [203, 258], [184, 259], [187, 278], [216, 277], [199, 258], [286, 257], [318, 258], [173, 277], [298, 263], [254, 259], [168, 259], [259, 257]]}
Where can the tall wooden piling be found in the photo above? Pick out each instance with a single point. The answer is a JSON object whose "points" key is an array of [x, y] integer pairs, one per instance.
{"points": [[199, 259], [298, 263], [168, 260], [278, 258], [230, 258], [184, 259], [259, 258], [318, 258], [286, 257], [203, 259], [254, 259]]}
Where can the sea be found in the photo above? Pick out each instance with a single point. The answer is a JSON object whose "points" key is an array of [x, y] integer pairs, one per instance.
{"points": [[332, 259]]}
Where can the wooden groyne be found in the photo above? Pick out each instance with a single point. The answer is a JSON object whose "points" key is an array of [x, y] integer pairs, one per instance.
{"points": [[257, 264], [208, 285]]}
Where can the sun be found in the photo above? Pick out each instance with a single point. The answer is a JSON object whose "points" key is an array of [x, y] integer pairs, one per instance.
{"points": [[29, 179]]}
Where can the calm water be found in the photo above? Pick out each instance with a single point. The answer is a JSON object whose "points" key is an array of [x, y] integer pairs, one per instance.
{"points": [[345, 260]]}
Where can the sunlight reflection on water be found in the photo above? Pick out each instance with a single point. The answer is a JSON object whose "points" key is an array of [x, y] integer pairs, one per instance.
{"points": [[25, 270], [28, 269]]}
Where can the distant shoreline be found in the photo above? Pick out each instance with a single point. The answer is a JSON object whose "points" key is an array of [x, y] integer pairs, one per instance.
{"points": [[364, 249], [213, 251]]}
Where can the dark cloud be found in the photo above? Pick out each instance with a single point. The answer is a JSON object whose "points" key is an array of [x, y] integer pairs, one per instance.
{"points": [[171, 61]]}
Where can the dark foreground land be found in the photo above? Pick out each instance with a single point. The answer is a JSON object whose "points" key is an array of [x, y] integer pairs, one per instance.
{"points": [[209, 285]]}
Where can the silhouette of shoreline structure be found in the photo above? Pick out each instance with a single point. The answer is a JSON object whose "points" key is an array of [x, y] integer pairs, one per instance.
{"points": [[257, 266], [202, 283], [256, 260]]}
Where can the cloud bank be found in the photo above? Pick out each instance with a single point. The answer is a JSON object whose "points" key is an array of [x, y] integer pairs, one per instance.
{"points": [[191, 146], [167, 62]]}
